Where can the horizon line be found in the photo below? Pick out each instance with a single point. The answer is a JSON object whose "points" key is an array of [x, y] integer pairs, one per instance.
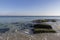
{"points": [[26, 16]]}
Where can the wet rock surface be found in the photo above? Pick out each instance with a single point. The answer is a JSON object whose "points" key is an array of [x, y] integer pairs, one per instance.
{"points": [[41, 28], [43, 20]]}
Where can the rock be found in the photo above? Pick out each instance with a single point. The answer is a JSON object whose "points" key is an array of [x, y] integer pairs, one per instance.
{"points": [[15, 23], [51, 20], [44, 20], [42, 28], [3, 30]]}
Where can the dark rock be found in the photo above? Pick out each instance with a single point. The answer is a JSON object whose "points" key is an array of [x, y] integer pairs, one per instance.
{"points": [[44, 31], [15, 23], [51, 20], [3, 30], [42, 28], [44, 20]]}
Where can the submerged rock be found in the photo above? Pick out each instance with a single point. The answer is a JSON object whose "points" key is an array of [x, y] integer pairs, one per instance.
{"points": [[44, 20], [15, 23], [43, 28], [3, 30], [40, 28]]}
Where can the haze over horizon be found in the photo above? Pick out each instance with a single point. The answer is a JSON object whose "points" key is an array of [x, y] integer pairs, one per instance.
{"points": [[29, 7]]}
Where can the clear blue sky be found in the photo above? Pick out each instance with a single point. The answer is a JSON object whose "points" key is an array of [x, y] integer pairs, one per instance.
{"points": [[29, 7]]}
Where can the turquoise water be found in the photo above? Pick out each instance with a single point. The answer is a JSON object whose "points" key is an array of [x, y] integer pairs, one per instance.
{"points": [[9, 19]]}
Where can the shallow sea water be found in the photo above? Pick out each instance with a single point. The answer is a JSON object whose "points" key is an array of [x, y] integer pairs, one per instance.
{"points": [[15, 34]]}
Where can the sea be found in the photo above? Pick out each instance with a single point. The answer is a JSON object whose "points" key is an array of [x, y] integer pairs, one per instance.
{"points": [[8, 31], [9, 19], [12, 19]]}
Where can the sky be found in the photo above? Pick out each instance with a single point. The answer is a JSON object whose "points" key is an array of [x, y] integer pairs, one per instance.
{"points": [[30, 7]]}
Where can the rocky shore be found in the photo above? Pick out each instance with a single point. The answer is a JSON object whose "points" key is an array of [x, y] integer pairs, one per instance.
{"points": [[16, 31]]}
